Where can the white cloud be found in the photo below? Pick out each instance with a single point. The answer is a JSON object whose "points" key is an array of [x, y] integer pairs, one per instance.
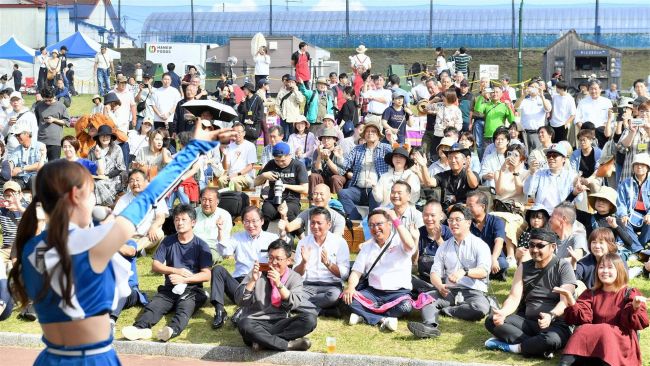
{"points": [[337, 5], [243, 5]]}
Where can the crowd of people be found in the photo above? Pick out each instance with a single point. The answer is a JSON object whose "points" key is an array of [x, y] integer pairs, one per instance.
{"points": [[538, 180]]}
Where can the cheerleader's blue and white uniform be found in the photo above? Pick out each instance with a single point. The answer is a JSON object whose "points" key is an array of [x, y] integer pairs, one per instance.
{"points": [[93, 293]]}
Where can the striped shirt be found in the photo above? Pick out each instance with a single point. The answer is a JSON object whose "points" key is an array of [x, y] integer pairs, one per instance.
{"points": [[9, 222], [462, 62]]}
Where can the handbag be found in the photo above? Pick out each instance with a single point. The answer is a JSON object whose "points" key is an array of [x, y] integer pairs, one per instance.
{"points": [[508, 205], [363, 281], [143, 105]]}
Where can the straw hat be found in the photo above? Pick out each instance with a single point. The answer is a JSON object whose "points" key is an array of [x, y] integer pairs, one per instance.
{"points": [[372, 123], [606, 193], [361, 49]]}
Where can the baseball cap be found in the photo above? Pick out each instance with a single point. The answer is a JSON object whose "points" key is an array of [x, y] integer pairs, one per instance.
{"points": [[488, 90], [11, 185], [146, 76], [20, 129], [556, 148], [397, 95], [291, 78], [281, 149], [15, 94], [121, 79]]}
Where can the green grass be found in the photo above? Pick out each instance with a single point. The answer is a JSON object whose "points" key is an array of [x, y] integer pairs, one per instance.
{"points": [[461, 341]]}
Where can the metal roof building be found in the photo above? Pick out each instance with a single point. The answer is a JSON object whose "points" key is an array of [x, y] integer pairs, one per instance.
{"points": [[478, 27]]}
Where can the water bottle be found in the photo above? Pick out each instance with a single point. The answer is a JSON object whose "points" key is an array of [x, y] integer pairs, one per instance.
{"points": [[459, 299]]}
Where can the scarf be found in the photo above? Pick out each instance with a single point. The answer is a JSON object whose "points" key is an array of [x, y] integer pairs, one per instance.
{"points": [[422, 300], [276, 298]]}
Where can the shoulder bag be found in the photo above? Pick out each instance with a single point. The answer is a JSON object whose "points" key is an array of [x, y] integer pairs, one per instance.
{"points": [[363, 281]]}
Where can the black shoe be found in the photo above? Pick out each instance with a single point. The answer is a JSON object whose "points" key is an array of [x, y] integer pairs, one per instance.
{"points": [[220, 317], [28, 313], [235, 317], [422, 330], [300, 344]]}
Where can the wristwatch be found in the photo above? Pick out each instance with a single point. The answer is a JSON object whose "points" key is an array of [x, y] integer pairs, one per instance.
{"points": [[280, 286], [515, 174]]}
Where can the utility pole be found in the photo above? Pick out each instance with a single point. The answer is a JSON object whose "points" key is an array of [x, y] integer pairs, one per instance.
{"points": [[513, 24], [596, 26], [430, 23], [520, 65], [347, 23], [192, 15], [119, 21], [270, 17], [76, 21]]}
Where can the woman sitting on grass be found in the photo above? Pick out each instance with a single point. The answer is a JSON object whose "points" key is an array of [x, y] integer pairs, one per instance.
{"points": [[609, 317]]}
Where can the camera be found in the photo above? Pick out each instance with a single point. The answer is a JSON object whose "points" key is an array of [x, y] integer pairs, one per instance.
{"points": [[278, 190]]}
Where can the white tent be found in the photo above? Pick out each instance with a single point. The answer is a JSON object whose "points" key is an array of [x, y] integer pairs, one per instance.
{"points": [[81, 53]]}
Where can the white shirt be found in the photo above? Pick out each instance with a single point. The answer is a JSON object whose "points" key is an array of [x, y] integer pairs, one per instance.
{"points": [[123, 112], [533, 115], [563, 108], [262, 63], [165, 100], [239, 156], [28, 120], [246, 250], [337, 252], [206, 227], [420, 92], [393, 271], [491, 164], [145, 224], [374, 106], [103, 61], [593, 110]]}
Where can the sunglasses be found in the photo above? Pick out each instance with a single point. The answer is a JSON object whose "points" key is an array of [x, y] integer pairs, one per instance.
{"points": [[537, 245]]}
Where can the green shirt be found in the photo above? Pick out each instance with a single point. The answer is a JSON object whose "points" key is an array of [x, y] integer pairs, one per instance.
{"points": [[479, 101], [495, 116]]}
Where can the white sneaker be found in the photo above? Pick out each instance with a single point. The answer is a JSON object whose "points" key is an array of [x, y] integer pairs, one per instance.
{"points": [[355, 319], [133, 334], [634, 272], [165, 333], [389, 324], [512, 262]]}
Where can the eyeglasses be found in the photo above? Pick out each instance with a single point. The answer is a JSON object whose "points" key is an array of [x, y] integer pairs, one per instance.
{"points": [[451, 220], [276, 259], [375, 225], [537, 245]]}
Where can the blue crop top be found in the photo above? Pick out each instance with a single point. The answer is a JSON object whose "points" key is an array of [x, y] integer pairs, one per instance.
{"points": [[93, 293]]}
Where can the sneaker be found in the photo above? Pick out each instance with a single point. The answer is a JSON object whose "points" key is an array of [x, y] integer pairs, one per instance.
{"points": [[355, 319], [300, 344], [422, 330], [512, 262], [133, 333], [548, 355], [495, 344], [389, 324], [165, 333]]}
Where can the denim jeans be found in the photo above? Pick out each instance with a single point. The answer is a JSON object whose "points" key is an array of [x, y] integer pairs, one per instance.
{"points": [[180, 194], [380, 297], [352, 197], [478, 129], [103, 81]]}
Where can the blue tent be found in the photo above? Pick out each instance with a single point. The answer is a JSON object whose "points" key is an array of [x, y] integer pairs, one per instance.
{"points": [[81, 46], [15, 50]]}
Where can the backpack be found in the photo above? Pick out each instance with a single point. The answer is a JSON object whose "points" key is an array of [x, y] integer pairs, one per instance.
{"points": [[233, 202]]}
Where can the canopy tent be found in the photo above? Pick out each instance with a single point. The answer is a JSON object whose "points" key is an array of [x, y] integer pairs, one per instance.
{"points": [[81, 46], [13, 49], [81, 53]]}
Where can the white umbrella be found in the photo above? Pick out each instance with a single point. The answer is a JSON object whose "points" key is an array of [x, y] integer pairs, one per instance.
{"points": [[219, 111]]}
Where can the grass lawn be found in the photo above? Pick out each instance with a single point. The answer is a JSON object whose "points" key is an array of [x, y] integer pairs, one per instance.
{"points": [[461, 341]]}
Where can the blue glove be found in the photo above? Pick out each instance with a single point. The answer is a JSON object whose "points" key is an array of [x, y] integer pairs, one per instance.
{"points": [[166, 180]]}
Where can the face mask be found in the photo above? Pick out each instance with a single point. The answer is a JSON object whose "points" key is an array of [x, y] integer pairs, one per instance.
{"points": [[5, 103]]}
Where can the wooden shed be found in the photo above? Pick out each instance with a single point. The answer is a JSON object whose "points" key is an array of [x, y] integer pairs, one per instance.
{"points": [[579, 60]]}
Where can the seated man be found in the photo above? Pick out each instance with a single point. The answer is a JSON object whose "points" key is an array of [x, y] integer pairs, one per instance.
{"points": [[238, 160], [321, 196], [364, 165], [276, 134], [213, 224], [185, 260], [149, 233], [529, 321], [389, 276], [400, 200], [267, 297], [492, 230], [459, 179], [27, 159], [572, 237], [287, 179], [247, 247], [432, 235], [323, 260], [463, 263]]}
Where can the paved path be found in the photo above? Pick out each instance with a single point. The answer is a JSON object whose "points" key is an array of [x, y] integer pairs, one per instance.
{"points": [[26, 357]]}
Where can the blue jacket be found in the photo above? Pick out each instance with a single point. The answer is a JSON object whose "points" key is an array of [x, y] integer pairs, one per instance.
{"points": [[311, 104], [576, 157], [628, 191]]}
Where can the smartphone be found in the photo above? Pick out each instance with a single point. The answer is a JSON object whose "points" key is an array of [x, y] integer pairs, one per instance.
{"points": [[4, 203], [264, 267], [638, 121], [263, 260]]}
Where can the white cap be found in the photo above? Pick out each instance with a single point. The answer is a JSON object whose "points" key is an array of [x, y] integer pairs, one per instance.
{"points": [[15, 94]]}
